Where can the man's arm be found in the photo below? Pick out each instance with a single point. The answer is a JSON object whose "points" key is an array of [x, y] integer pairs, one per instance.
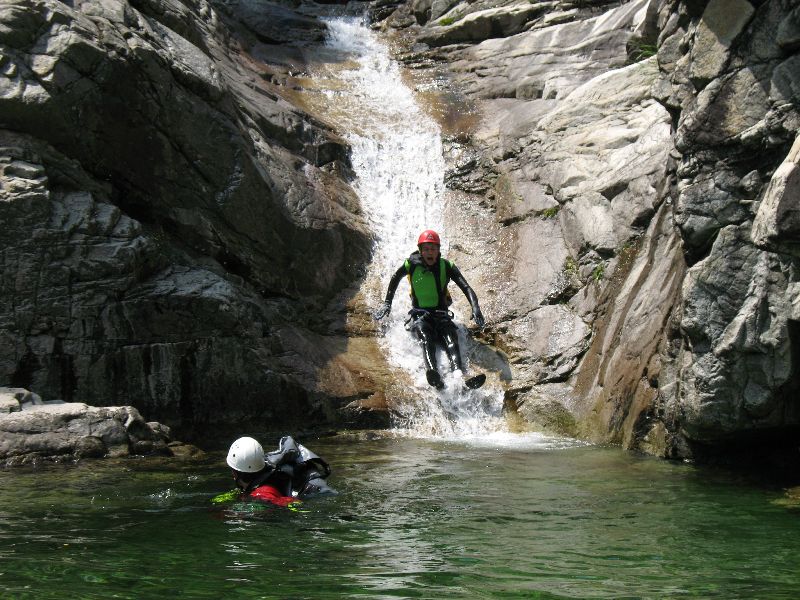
{"points": [[384, 308], [459, 280]]}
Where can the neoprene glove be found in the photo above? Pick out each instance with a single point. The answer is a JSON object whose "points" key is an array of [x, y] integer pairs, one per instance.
{"points": [[478, 318], [226, 497], [382, 311]]}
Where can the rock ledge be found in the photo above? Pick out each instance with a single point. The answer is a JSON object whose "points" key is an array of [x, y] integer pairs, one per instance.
{"points": [[33, 430]]}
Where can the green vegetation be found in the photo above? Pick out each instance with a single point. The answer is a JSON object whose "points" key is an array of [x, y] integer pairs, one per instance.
{"points": [[639, 51], [445, 21], [552, 417], [564, 423], [571, 267], [549, 213], [627, 253], [598, 272]]}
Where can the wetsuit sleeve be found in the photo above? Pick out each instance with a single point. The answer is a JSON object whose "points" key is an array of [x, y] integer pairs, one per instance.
{"points": [[394, 282], [458, 279]]}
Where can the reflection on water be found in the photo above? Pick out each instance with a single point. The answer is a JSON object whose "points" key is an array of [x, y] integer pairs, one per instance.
{"points": [[520, 516]]}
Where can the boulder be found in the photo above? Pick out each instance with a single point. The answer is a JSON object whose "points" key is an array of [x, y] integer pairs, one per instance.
{"points": [[721, 23], [554, 60], [777, 223], [59, 431], [496, 22], [737, 369]]}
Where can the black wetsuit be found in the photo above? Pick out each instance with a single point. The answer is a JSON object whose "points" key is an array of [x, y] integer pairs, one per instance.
{"points": [[430, 319]]}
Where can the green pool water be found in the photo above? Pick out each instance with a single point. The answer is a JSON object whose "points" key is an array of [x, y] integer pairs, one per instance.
{"points": [[520, 517]]}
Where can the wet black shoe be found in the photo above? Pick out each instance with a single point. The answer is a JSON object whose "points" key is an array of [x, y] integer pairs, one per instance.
{"points": [[475, 382], [434, 379]]}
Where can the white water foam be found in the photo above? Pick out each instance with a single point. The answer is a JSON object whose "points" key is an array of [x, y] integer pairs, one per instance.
{"points": [[397, 157]]}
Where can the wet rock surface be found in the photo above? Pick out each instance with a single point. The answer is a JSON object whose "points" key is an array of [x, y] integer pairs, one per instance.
{"points": [[181, 237]]}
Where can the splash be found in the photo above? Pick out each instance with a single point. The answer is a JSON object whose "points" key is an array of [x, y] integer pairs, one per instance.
{"points": [[398, 160]]}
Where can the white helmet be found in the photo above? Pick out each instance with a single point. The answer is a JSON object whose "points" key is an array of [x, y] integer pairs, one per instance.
{"points": [[246, 455]]}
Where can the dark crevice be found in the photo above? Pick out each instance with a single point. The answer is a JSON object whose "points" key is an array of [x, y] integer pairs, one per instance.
{"points": [[675, 116], [770, 454], [644, 421], [643, 220], [69, 383], [613, 191], [26, 367], [788, 393], [233, 264], [694, 255]]}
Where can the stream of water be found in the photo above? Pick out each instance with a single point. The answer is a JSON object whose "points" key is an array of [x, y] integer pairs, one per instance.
{"points": [[397, 158], [450, 504]]}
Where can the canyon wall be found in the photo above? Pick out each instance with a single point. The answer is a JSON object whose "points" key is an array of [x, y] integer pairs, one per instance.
{"points": [[625, 193], [181, 235], [177, 237]]}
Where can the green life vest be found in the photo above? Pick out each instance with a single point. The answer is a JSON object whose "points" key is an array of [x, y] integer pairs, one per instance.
{"points": [[423, 285]]}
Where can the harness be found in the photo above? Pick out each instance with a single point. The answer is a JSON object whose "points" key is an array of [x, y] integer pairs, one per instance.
{"points": [[438, 317]]}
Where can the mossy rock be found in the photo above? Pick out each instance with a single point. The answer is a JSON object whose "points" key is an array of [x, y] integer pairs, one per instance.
{"points": [[791, 499], [547, 414]]}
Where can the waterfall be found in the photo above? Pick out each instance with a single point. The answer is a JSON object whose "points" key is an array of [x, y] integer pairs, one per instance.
{"points": [[399, 165]]}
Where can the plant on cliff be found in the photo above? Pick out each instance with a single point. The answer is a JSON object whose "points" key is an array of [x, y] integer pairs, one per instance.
{"points": [[549, 213], [638, 50], [571, 267]]}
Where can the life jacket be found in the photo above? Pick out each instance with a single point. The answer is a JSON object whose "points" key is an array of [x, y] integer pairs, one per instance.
{"points": [[426, 291], [267, 493]]}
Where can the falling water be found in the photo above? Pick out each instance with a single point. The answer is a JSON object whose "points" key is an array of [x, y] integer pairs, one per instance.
{"points": [[399, 165]]}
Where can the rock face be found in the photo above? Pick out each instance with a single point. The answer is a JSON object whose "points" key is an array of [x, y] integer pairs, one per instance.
{"points": [[732, 370], [633, 188], [32, 430], [180, 237], [172, 226]]}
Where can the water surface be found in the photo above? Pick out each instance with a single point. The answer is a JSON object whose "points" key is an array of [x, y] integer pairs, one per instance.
{"points": [[517, 517]]}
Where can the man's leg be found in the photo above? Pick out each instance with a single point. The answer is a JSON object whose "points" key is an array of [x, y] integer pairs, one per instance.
{"points": [[426, 336], [449, 335]]}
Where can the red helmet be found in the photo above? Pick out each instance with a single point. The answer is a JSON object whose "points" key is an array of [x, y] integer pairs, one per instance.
{"points": [[429, 236]]}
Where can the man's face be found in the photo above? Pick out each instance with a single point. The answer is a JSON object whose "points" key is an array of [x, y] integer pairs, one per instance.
{"points": [[429, 252]]}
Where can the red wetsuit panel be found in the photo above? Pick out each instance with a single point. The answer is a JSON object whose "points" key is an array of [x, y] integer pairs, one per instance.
{"points": [[267, 493]]}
